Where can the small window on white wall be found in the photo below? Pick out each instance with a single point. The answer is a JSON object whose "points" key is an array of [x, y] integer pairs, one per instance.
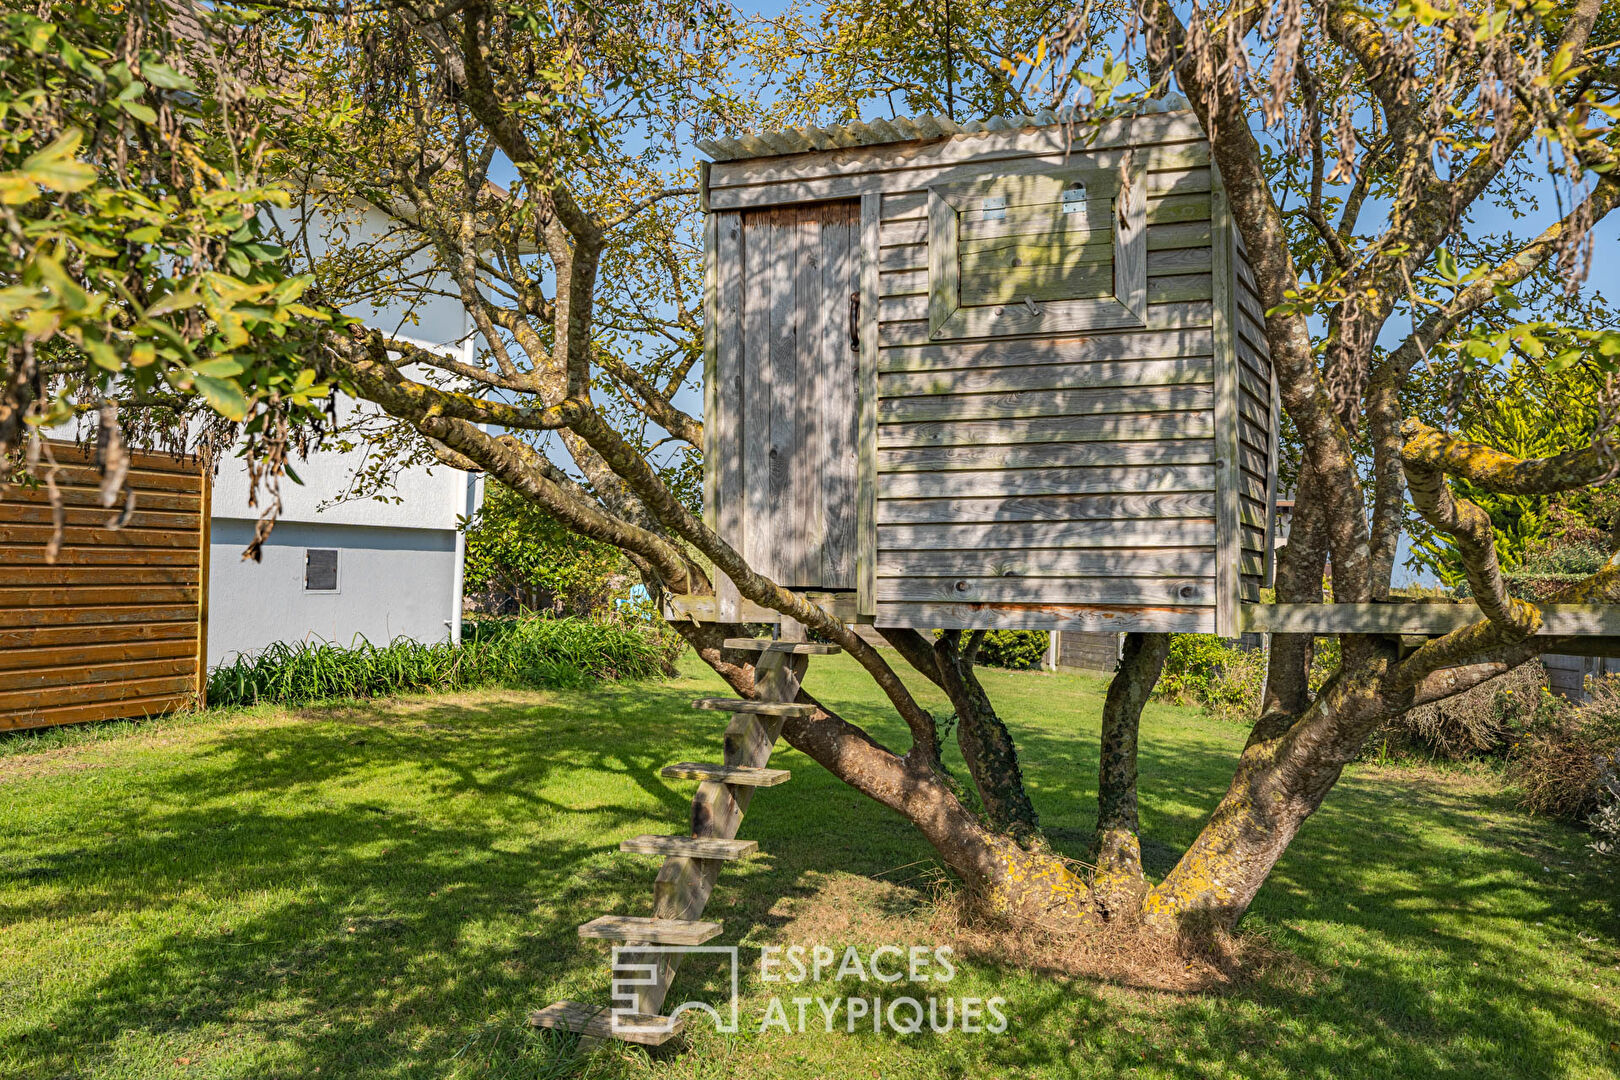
{"points": [[320, 570]]}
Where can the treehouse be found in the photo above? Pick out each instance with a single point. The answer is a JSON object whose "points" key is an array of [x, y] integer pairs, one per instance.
{"points": [[1000, 375]]}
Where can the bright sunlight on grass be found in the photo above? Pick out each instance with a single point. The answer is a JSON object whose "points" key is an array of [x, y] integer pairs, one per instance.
{"points": [[385, 891]]}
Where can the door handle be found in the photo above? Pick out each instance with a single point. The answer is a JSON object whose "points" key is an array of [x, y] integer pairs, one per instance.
{"points": [[854, 322]]}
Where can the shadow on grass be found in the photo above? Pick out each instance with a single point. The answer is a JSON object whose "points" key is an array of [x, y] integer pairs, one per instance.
{"points": [[402, 883]]}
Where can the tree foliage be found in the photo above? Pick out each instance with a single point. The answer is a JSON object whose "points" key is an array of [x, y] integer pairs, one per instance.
{"points": [[516, 549], [135, 263]]}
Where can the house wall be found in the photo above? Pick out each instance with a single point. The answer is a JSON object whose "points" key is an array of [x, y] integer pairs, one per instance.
{"points": [[392, 582], [1071, 475], [400, 555]]}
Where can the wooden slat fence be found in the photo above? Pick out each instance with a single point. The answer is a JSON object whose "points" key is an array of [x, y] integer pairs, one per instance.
{"points": [[116, 625]]}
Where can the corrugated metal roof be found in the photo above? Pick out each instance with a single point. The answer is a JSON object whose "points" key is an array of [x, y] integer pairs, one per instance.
{"points": [[900, 129]]}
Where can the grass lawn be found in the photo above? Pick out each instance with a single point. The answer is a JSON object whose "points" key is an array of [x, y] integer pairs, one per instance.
{"points": [[385, 891]]}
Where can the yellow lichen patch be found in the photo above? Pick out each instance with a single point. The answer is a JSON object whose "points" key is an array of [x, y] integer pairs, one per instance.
{"points": [[1037, 884]]}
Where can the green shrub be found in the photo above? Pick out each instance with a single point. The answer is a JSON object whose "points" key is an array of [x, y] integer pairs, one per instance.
{"points": [[1561, 763], [1019, 649], [522, 559], [493, 652], [1578, 557], [1210, 671]]}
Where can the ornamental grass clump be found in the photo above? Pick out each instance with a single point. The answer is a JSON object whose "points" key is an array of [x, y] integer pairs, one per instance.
{"points": [[496, 652]]}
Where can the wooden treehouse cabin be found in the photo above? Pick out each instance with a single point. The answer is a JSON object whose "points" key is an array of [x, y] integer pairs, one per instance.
{"points": [[1001, 375]]}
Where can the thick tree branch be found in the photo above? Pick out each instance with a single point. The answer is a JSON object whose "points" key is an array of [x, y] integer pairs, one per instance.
{"points": [[1117, 845], [1491, 470], [1475, 537]]}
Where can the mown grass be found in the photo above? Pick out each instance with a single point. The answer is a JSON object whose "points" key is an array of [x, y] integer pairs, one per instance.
{"points": [[385, 890]]}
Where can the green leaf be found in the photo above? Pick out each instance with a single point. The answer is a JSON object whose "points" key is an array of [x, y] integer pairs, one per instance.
{"points": [[165, 77], [219, 368], [39, 35], [149, 234], [223, 397], [1445, 264], [54, 167], [143, 113], [175, 301], [16, 189], [103, 354]]}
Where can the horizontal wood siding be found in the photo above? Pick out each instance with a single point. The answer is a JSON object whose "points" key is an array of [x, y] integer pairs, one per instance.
{"points": [[1259, 420], [1087, 652], [1036, 466], [111, 627], [1059, 478]]}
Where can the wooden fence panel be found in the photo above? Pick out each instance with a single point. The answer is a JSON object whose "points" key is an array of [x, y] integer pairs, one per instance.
{"points": [[116, 625]]}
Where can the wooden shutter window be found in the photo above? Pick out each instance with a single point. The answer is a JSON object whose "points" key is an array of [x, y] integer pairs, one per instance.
{"points": [[320, 570], [1061, 250]]}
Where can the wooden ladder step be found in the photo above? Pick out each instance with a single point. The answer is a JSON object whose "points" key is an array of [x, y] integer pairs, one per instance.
{"points": [[755, 708], [650, 931], [798, 648], [599, 1022], [741, 775], [693, 847]]}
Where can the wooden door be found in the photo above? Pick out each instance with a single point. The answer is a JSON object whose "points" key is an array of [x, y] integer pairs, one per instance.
{"points": [[786, 367]]}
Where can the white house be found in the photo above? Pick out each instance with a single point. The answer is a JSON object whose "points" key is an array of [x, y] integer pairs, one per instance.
{"points": [[379, 570], [336, 568]]}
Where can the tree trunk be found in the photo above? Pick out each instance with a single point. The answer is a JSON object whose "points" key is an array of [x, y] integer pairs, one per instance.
{"points": [[1117, 847], [1280, 781], [987, 746], [1025, 883]]}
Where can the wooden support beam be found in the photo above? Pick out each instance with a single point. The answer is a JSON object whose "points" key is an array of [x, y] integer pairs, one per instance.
{"points": [[684, 884], [1558, 620], [706, 609], [807, 648], [1228, 539]]}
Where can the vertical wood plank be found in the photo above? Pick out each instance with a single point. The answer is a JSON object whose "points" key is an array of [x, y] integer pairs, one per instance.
{"points": [[944, 271], [809, 519], [866, 441], [1270, 579], [840, 372], [782, 409], [713, 452], [1228, 538], [757, 375], [1130, 240], [729, 419]]}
